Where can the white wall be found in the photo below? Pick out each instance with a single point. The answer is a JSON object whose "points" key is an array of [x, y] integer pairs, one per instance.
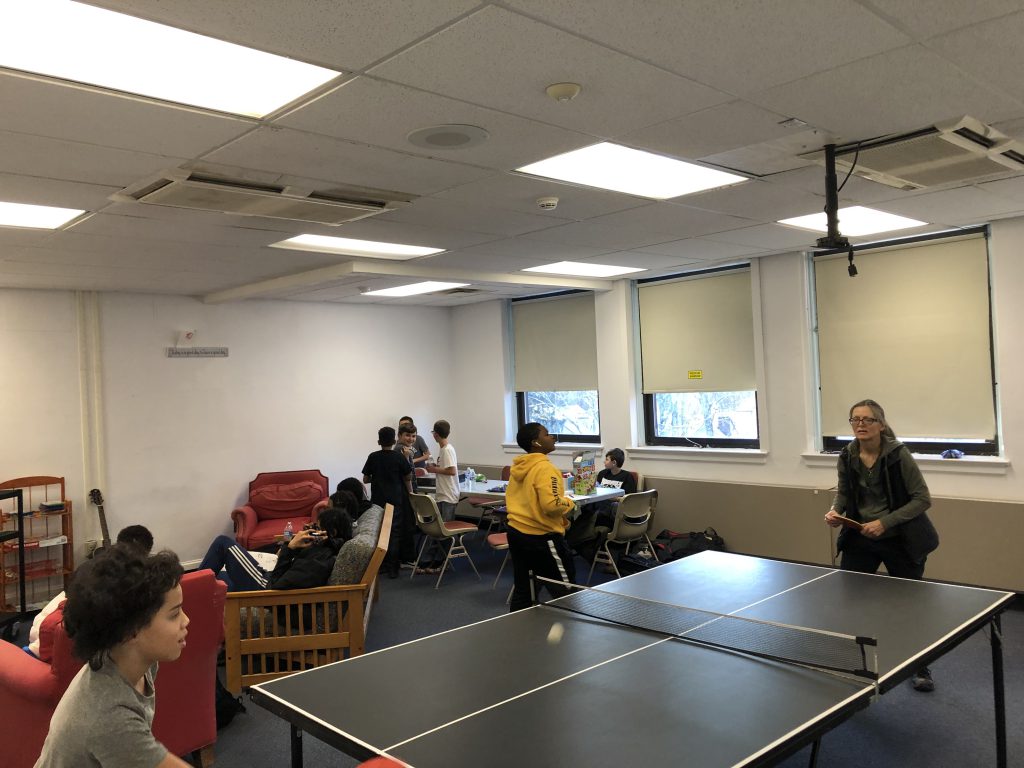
{"points": [[305, 386], [788, 418]]}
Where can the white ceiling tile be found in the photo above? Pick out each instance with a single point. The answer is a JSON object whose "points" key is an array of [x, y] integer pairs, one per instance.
{"points": [[1009, 188], [65, 111], [671, 221], [73, 161], [710, 131], [857, 190], [378, 228], [975, 48], [350, 35], [283, 150], [458, 214], [639, 260], [141, 228], [966, 205], [924, 18], [768, 237], [591, 235], [534, 251], [520, 193], [19, 188], [620, 94], [472, 260], [353, 112], [865, 99], [759, 200], [738, 47], [701, 249]]}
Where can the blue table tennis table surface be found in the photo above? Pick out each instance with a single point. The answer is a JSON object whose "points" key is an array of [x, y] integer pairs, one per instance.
{"points": [[509, 692]]}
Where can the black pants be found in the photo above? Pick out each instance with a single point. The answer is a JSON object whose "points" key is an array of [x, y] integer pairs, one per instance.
{"points": [[864, 555], [546, 556]]}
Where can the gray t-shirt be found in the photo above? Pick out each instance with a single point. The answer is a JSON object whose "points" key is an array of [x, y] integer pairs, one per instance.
{"points": [[103, 721]]}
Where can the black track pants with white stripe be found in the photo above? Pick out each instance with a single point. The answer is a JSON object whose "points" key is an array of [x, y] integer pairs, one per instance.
{"points": [[546, 556]]}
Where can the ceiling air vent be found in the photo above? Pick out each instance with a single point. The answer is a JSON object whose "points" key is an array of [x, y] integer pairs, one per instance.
{"points": [[185, 189], [960, 151]]}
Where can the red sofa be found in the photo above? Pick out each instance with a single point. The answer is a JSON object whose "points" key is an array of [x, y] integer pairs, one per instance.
{"points": [[185, 719], [274, 499]]}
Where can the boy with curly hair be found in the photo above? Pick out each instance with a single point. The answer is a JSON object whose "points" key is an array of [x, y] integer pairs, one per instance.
{"points": [[124, 617]]}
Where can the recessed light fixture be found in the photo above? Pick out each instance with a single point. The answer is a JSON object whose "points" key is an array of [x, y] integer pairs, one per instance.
{"points": [[563, 91], [855, 221], [448, 137], [79, 42], [633, 171], [346, 246], [414, 289], [36, 216], [581, 269]]}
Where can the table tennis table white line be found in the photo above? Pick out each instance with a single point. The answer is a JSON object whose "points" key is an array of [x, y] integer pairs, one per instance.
{"points": [[577, 673]]}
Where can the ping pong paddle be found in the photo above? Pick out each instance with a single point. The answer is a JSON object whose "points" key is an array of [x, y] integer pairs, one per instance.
{"points": [[849, 522]]}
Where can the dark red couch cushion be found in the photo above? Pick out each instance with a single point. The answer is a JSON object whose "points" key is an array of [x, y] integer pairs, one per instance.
{"points": [[286, 500]]}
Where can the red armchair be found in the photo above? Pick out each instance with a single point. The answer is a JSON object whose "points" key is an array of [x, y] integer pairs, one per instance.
{"points": [[185, 717], [274, 499]]}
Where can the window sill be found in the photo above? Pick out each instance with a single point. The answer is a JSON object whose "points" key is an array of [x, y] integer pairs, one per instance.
{"points": [[968, 465], [561, 449], [720, 455]]}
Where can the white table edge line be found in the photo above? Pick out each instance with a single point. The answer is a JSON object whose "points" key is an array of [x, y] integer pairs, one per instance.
{"points": [[868, 691], [323, 723]]}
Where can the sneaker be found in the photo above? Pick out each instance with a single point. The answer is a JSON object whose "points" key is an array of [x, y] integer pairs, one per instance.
{"points": [[922, 680], [408, 566]]}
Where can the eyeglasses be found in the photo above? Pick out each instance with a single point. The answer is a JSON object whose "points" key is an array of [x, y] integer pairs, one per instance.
{"points": [[868, 420]]}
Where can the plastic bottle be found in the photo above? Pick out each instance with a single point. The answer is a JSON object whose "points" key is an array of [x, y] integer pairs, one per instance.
{"points": [[289, 531]]}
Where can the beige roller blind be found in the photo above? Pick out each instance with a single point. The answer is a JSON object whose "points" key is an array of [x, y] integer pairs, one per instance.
{"points": [[912, 332], [697, 335], [555, 344]]}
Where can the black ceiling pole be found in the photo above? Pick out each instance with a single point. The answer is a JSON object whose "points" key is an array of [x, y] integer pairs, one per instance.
{"points": [[833, 239]]}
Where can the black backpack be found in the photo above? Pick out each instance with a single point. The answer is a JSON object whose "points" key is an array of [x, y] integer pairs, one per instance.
{"points": [[226, 705], [670, 545]]}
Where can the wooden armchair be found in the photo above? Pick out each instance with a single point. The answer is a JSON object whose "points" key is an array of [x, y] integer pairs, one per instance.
{"points": [[272, 633]]}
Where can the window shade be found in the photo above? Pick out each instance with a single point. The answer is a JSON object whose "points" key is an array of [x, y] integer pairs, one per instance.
{"points": [[912, 332], [702, 324], [555, 344]]}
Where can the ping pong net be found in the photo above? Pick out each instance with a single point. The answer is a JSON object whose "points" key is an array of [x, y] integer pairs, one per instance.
{"points": [[820, 649]]}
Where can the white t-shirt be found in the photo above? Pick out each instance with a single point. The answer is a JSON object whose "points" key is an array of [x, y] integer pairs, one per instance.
{"points": [[447, 485]]}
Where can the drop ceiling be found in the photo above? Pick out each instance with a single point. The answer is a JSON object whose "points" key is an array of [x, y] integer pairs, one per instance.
{"points": [[696, 80]]}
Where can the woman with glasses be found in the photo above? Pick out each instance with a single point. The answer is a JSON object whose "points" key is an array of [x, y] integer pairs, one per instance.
{"points": [[881, 503]]}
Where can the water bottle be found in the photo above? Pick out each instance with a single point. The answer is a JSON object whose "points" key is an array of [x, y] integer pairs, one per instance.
{"points": [[289, 531], [470, 478]]}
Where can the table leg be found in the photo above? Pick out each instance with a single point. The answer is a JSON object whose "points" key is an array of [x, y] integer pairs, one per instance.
{"points": [[998, 690], [815, 747], [296, 747]]}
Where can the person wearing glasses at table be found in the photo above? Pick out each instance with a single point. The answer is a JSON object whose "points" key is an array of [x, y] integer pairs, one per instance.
{"points": [[881, 489]]}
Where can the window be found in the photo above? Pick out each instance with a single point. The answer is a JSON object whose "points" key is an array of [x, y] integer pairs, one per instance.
{"points": [[913, 332], [572, 415], [697, 348], [555, 361]]}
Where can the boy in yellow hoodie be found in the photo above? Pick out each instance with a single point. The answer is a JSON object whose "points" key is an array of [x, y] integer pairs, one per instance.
{"points": [[538, 516]]}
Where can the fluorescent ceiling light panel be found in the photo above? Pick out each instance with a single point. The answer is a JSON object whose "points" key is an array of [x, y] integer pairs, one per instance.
{"points": [[35, 216], [415, 289], [855, 221], [621, 169], [346, 246], [72, 41], [580, 269]]}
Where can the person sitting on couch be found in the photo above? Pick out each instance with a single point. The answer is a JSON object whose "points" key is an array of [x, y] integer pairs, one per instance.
{"points": [[303, 562]]}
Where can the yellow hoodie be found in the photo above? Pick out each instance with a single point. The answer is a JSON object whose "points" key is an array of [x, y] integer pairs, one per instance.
{"points": [[535, 496]]}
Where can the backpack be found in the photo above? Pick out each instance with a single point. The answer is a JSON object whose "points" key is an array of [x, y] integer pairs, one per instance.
{"points": [[670, 545], [226, 705]]}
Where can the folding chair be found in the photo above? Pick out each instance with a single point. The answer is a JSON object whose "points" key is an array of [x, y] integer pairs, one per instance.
{"points": [[632, 519], [433, 528]]}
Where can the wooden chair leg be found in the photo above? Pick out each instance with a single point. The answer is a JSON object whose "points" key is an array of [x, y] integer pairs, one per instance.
{"points": [[204, 757]]}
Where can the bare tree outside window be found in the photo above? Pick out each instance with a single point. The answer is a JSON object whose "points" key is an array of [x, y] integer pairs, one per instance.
{"points": [[696, 415], [564, 412]]}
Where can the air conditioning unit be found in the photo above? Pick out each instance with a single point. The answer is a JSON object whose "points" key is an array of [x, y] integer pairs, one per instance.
{"points": [[179, 188], [960, 151]]}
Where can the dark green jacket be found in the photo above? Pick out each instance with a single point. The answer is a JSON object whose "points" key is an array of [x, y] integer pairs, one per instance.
{"points": [[905, 490]]}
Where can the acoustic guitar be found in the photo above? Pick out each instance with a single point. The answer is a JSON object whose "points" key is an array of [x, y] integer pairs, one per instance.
{"points": [[97, 498]]}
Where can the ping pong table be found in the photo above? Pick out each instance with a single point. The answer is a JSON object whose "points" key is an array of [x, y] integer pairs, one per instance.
{"points": [[512, 691]]}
